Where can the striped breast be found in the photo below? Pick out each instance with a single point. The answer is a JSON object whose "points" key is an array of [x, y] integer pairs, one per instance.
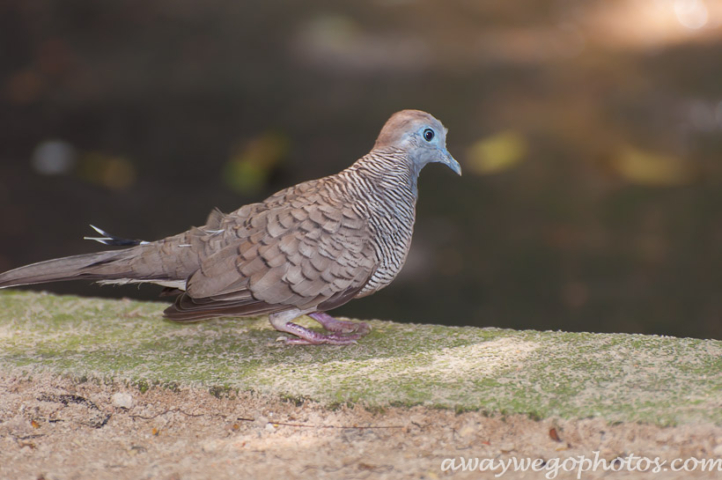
{"points": [[384, 187]]}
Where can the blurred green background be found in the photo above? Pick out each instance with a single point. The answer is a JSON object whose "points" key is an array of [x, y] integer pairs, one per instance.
{"points": [[590, 135]]}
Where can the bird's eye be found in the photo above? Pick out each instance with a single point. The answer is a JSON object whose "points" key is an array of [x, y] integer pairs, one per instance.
{"points": [[428, 134]]}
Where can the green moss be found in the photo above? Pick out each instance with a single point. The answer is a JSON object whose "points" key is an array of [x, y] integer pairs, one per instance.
{"points": [[222, 391], [654, 379], [143, 386]]}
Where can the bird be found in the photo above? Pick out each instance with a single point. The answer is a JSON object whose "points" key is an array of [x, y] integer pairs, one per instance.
{"points": [[303, 251]]}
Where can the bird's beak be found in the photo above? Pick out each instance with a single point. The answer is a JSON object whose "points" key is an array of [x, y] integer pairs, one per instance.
{"points": [[451, 162]]}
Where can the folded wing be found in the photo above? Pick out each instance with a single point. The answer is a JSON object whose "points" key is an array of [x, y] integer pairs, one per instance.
{"points": [[297, 251]]}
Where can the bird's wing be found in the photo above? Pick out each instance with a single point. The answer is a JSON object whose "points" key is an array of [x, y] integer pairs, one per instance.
{"points": [[298, 249]]}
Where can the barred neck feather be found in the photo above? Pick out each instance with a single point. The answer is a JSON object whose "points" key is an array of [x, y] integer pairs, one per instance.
{"points": [[388, 169], [386, 183]]}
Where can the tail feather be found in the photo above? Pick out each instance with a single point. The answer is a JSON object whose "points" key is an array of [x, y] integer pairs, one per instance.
{"points": [[78, 267], [113, 240]]}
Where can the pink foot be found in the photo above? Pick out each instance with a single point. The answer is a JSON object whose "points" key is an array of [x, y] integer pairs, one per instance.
{"points": [[340, 326], [309, 337], [343, 332]]}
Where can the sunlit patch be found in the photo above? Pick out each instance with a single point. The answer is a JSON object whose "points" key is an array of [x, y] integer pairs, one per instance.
{"points": [[655, 23], [648, 168], [496, 153], [249, 167], [692, 14]]}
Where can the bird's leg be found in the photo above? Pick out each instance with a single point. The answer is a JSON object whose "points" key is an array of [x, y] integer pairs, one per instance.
{"points": [[340, 326], [281, 321]]}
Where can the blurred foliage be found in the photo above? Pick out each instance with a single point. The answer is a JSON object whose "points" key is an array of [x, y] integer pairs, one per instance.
{"points": [[248, 170], [605, 117], [115, 173], [496, 153], [652, 169]]}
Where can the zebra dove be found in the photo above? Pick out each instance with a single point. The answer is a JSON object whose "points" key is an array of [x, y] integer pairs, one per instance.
{"points": [[303, 251]]}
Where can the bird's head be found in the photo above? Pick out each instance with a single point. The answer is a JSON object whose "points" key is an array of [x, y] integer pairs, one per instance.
{"points": [[419, 134]]}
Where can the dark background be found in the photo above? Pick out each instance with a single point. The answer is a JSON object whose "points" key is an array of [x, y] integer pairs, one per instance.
{"points": [[589, 132]]}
